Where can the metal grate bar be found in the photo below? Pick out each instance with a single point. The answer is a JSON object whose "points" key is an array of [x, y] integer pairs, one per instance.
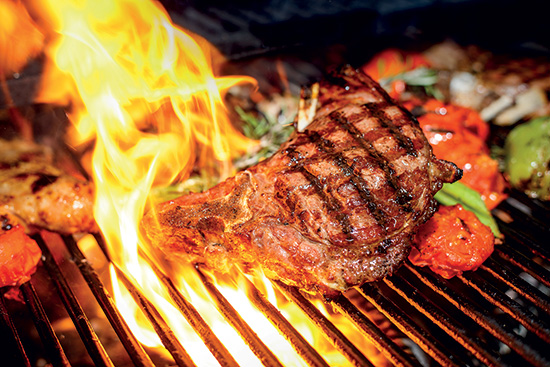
{"points": [[411, 288], [480, 316], [525, 234], [335, 336], [526, 214], [524, 263], [193, 317], [44, 327], [166, 335], [81, 322], [232, 317], [506, 304], [535, 207], [441, 319], [135, 351], [384, 344], [300, 345], [410, 328], [9, 328], [524, 289]]}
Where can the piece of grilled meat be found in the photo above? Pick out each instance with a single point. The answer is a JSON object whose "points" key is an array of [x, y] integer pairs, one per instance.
{"points": [[39, 193], [335, 207]]}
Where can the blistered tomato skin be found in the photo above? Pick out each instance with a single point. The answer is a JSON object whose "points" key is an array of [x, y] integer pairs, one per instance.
{"points": [[19, 256], [458, 134], [451, 242]]}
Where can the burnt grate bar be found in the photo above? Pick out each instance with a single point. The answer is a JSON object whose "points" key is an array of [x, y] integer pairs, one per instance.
{"points": [[301, 346], [166, 335], [161, 327], [444, 321], [417, 334], [44, 327], [504, 273], [245, 331], [133, 347], [332, 333], [80, 320], [393, 352], [525, 263], [9, 328], [526, 214], [193, 317], [526, 233], [506, 304], [481, 316]]}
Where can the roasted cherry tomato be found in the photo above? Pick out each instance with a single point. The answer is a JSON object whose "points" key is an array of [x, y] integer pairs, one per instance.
{"points": [[458, 134], [392, 62], [452, 241], [19, 255]]}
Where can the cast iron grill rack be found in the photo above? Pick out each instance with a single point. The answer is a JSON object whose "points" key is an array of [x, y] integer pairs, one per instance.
{"points": [[498, 315]]}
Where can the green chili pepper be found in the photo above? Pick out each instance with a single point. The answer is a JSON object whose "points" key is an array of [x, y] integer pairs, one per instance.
{"points": [[458, 193]]}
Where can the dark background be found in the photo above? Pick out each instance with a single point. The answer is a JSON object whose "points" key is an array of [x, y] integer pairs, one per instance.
{"points": [[243, 28], [310, 34]]}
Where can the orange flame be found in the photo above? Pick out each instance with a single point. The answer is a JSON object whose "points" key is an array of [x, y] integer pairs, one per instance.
{"points": [[143, 90], [20, 38]]}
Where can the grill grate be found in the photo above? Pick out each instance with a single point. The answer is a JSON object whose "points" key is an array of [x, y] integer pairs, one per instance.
{"points": [[496, 316]]}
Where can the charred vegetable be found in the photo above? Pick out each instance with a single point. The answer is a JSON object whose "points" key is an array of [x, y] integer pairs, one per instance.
{"points": [[527, 150], [19, 254], [452, 241]]}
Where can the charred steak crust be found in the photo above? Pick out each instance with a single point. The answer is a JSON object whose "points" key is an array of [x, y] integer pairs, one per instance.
{"points": [[336, 206]]}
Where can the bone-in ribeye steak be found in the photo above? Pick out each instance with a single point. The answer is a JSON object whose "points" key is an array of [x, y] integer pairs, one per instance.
{"points": [[336, 206]]}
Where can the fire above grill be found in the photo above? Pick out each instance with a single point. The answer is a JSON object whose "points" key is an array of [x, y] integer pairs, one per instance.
{"points": [[496, 316]]}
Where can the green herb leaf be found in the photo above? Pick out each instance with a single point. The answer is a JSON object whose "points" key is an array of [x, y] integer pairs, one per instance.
{"points": [[196, 183], [253, 127], [268, 130], [420, 77], [458, 193]]}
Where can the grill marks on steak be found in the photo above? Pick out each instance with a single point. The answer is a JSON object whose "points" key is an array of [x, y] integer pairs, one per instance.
{"points": [[401, 194], [340, 167], [340, 148], [336, 206]]}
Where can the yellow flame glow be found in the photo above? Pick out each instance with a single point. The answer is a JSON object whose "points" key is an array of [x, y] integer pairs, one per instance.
{"points": [[144, 91]]}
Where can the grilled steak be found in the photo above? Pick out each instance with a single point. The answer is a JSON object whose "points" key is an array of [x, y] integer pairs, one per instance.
{"points": [[337, 205], [39, 193]]}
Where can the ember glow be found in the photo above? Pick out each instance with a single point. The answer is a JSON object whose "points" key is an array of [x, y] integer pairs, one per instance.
{"points": [[144, 92]]}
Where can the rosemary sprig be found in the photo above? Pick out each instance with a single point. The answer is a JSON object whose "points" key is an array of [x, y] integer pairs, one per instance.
{"points": [[420, 77], [271, 131]]}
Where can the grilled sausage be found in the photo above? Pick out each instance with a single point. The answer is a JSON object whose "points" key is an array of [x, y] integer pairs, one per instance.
{"points": [[39, 193]]}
